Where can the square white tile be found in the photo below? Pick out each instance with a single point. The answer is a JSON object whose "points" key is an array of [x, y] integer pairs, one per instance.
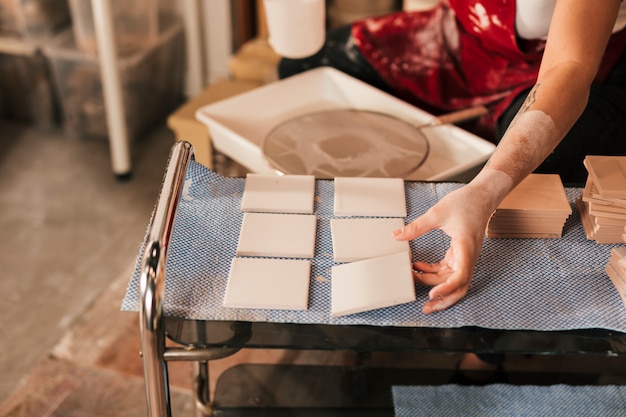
{"points": [[265, 193], [362, 238], [371, 284], [383, 197], [277, 235], [273, 284]]}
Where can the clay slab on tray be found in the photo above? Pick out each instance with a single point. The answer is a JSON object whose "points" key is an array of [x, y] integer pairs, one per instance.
{"points": [[277, 235], [603, 223], [619, 254], [278, 193], [261, 283], [537, 193], [608, 174], [591, 195], [375, 197], [601, 234], [536, 209], [616, 271]]}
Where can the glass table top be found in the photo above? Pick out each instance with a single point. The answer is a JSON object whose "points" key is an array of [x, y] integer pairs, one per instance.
{"points": [[239, 334]]}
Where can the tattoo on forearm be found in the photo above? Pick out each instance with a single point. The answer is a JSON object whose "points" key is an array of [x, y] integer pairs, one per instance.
{"points": [[530, 100]]}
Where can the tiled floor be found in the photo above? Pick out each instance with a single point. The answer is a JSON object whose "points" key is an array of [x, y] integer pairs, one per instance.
{"points": [[70, 230], [70, 235]]}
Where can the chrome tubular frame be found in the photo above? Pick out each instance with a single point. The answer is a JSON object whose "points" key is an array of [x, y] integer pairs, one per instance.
{"points": [[152, 282]]}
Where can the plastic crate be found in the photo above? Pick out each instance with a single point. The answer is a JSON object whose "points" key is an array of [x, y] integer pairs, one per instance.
{"points": [[135, 24], [26, 90], [152, 82], [33, 18]]}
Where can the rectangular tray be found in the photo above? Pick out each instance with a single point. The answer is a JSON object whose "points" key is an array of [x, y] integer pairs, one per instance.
{"points": [[238, 125]]}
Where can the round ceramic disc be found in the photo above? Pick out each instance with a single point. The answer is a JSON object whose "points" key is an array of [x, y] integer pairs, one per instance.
{"points": [[346, 143]]}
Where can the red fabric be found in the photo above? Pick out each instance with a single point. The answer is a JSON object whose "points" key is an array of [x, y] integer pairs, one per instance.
{"points": [[614, 51], [460, 54]]}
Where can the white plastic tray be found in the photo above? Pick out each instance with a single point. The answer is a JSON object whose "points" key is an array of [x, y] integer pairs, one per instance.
{"points": [[238, 125]]}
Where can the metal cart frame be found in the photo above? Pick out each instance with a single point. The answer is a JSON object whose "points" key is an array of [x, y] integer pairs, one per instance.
{"points": [[153, 334]]}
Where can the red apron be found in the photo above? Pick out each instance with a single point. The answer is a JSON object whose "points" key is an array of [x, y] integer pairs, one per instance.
{"points": [[460, 54]]}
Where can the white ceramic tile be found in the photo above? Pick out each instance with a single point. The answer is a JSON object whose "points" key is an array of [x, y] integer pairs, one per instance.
{"points": [[278, 193], [362, 238], [371, 284], [382, 197], [273, 284], [277, 235]]}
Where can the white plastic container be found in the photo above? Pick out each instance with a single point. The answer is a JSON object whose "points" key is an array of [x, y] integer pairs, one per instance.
{"points": [[343, 12], [239, 125], [413, 5], [297, 28], [33, 18], [152, 82], [135, 23]]}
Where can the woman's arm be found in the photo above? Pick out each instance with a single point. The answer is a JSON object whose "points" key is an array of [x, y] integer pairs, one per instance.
{"points": [[576, 42], [578, 35]]}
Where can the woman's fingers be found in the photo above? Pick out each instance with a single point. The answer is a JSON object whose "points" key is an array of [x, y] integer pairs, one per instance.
{"points": [[416, 228], [428, 274], [446, 294], [443, 302], [427, 279], [449, 286], [426, 267]]}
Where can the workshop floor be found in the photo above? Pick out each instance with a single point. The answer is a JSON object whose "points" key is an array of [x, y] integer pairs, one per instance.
{"points": [[70, 234]]}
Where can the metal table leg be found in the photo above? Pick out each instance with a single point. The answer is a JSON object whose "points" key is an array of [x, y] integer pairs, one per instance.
{"points": [[111, 88]]}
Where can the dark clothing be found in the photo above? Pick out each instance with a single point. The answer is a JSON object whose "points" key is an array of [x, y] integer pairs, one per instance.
{"points": [[444, 69], [600, 130], [340, 52]]}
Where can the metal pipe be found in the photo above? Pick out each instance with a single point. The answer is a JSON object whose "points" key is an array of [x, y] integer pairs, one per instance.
{"points": [[111, 87], [201, 389], [197, 354], [195, 54], [152, 282]]}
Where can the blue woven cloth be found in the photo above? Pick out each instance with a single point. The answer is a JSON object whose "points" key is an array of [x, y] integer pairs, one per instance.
{"points": [[509, 400], [540, 284]]}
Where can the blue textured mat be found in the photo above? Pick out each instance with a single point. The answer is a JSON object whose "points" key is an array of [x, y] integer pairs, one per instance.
{"points": [[540, 284], [511, 401]]}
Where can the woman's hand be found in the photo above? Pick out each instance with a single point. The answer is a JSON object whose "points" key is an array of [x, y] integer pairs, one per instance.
{"points": [[463, 215]]}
